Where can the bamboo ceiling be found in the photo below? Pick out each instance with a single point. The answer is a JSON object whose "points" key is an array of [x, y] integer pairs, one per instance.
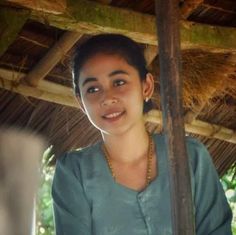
{"points": [[37, 41]]}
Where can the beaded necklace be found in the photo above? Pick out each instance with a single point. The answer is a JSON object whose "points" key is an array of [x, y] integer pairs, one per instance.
{"points": [[149, 161]]}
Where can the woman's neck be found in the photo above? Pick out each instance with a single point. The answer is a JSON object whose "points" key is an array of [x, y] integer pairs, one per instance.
{"points": [[128, 147]]}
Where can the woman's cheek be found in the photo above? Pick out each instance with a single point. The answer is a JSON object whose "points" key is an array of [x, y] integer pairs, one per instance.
{"points": [[92, 97], [122, 90]]}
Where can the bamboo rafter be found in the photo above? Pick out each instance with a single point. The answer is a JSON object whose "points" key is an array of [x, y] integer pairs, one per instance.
{"points": [[198, 127], [221, 9], [59, 94], [189, 6], [54, 55], [45, 90]]}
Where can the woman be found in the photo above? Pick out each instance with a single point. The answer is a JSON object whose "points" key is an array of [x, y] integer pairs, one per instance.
{"points": [[120, 186]]}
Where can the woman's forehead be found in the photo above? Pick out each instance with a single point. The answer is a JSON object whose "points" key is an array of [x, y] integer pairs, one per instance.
{"points": [[104, 62], [105, 65]]}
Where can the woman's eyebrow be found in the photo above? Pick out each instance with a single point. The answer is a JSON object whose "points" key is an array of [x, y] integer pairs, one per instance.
{"points": [[89, 79], [117, 72], [113, 73]]}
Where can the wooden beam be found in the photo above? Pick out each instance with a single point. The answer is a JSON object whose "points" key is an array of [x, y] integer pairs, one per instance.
{"points": [[49, 6], [183, 220], [46, 90], [11, 22], [105, 2], [188, 6], [54, 55], [92, 18]]}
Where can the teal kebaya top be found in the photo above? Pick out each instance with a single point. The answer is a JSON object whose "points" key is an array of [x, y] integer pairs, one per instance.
{"points": [[87, 200]]}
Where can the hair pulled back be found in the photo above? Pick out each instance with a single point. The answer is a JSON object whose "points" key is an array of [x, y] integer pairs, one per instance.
{"points": [[111, 44]]}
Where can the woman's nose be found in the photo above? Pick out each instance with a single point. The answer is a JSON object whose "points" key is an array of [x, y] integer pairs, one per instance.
{"points": [[109, 99]]}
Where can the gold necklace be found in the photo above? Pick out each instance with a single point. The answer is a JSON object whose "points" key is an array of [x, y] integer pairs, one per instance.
{"points": [[149, 161]]}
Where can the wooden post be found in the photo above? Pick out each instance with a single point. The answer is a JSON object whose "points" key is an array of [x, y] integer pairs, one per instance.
{"points": [[171, 100]]}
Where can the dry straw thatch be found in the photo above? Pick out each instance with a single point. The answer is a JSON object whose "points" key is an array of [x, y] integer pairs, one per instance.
{"points": [[205, 75]]}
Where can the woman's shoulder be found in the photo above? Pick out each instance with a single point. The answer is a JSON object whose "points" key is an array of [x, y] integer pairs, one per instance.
{"points": [[196, 150], [77, 156], [77, 162], [191, 142], [199, 156]]}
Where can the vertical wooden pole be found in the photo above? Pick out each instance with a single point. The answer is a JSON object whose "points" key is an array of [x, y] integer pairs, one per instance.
{"points": [[171, 100]]}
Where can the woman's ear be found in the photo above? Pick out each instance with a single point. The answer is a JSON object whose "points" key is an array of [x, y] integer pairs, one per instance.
{"points": [[81, 106], [148, 86]]}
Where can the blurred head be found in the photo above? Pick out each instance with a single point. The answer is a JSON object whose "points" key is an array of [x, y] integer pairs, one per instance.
{"points": [[110, 44]]}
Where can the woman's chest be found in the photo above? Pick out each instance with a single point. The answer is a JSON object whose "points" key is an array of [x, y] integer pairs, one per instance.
{"points": [[135, 176]]}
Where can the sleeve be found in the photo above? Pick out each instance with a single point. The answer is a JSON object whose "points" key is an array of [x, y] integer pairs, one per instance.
{"points": [[72, 214], [212, 212]]}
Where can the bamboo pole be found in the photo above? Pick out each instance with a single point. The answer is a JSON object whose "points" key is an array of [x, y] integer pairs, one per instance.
{"points": [[43, 85], [59, 94], [171, 100], [30, 91], [55, 54], [198, 127], [46, 90]]}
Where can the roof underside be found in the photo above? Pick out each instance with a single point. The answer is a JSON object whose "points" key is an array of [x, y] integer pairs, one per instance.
{"points": [[208, 34]]}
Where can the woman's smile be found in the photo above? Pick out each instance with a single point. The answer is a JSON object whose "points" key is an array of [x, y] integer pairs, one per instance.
{"points": [[114, 116]]}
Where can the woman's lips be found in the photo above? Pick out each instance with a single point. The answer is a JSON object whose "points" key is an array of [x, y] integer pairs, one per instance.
{"points": [[113, 116]]}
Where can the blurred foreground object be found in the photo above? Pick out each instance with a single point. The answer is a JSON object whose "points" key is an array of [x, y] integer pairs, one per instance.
{"points": [[20, 154]]}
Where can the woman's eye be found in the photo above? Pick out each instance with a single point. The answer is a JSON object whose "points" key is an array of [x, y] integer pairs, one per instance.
{"points": [[119, 82], [92, 89]]}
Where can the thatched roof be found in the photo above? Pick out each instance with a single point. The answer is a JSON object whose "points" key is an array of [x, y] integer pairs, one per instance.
{"points": [[37, 41]]}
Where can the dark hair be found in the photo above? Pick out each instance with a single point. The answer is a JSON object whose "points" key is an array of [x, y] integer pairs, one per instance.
{"points": [[116, 44]]}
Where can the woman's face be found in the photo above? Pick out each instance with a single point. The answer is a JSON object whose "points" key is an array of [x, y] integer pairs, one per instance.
{"points": [[112, 94]]}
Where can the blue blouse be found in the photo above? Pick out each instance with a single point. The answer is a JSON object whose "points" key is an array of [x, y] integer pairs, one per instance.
{"points": [[87, 200]]}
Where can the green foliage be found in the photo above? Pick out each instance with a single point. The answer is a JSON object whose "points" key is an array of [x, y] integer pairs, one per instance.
{"points": [[229, 184], [44, 215]]}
